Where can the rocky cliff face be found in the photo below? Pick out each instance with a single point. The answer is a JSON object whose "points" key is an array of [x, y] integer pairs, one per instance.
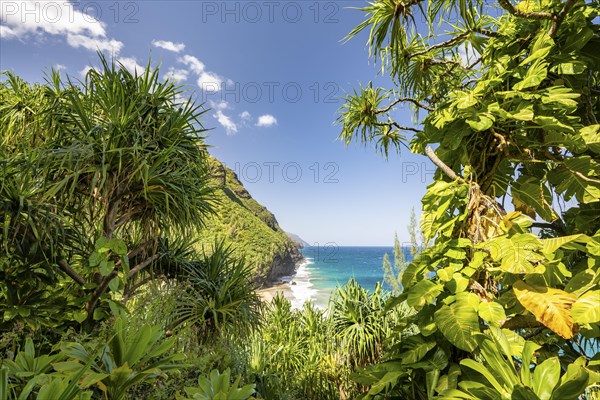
{"points": [[284, 266], [252, 228]]}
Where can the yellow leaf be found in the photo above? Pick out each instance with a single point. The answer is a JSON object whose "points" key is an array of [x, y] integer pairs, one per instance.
{"points": [[550, 306]]}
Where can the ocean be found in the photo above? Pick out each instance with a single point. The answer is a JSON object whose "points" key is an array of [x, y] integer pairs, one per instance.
{"points": [[328, 267]]}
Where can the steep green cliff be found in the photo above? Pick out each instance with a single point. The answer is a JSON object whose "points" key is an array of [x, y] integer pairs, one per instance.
{"points": [[251, 227]]}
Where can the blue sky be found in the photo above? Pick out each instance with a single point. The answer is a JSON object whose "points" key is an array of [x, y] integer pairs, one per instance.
{"points": [[273, 73]]}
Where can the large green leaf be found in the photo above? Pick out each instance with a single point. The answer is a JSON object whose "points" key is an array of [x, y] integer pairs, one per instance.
{"points": [[423, 293], [545, 378], [561, 95], [492, 312], [480, 122], [591, 137], [389, 380], [3, 383], [521, 392], [458, 321], [581, 282], [573, 383], [579, 177], [530, 192], [552, 244], [535, 75], [586, 310], [516, 254], [415, 348], [437, 361], [483, 370]]}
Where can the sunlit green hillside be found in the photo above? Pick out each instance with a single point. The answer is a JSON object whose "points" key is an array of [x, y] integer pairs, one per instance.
{"points": [[250, 226]]}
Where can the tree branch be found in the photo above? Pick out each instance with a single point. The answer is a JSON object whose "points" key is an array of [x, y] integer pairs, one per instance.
{"points": [[546, 225], [398, 126], [527, 15], [141, 266], [404, 99], [441, 165], [129, 292], [106, 280], [447, 43], [124, 219], [558, 20], [140, 249], [521, 322], [100, 289], [533, 333], [437, 61], [582, 176], [64, 266], [486, 32]]}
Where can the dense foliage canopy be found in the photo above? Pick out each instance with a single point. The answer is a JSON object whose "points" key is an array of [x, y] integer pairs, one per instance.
{"points": [[105, 184], [96, 177], [507, 290]]}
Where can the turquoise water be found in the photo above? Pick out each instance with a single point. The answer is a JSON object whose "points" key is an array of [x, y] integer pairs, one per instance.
{"points": [[328, 267]]}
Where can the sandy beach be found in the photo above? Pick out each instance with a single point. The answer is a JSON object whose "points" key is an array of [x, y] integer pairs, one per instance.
{"points": [[267, 294], [297, 288]]}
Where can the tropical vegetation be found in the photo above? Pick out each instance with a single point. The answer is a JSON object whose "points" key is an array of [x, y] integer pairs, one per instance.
{"points": [[506, 102], [130, 258]]}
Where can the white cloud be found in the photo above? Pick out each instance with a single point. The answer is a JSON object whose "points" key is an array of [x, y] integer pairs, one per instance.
{"points": [[7, 33], [207, 81], [167, 45], [59, 67], [23, 19], [226, 122], [467, 54], [176, 74], [110, 45], [245, 115], [266, 120], [85, 70], [221, 105], [131, 65], [193, 63], [210, 82]]}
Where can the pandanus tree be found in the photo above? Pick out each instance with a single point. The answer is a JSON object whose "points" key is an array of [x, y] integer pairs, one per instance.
{"points": [[98, 178], [506, 100]]}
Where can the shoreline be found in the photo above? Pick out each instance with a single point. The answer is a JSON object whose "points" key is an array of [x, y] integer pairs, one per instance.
{"points": [[267, 294], [289, 286]]}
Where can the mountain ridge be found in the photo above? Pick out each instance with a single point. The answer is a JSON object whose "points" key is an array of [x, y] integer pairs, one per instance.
{"points": [[301, 242], [251, 227]]}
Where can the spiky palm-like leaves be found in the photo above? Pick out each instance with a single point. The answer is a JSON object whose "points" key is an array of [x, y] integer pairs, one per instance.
{"points": [[219, 299], [112, 155], [358, 321], [122, 142], [288, 355]]}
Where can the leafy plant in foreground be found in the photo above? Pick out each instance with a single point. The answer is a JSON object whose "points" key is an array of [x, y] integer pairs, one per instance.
{"points": [[497, 377], [108, 158], [217, 386], [511, 105], [133, 355], [219, 299]]}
